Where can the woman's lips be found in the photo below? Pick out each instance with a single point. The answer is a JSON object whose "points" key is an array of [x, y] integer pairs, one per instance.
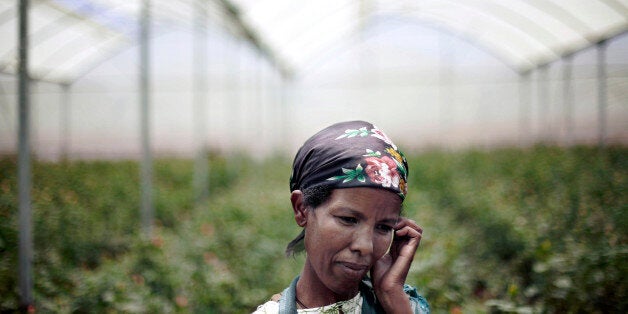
{"points": [[354, 270]]}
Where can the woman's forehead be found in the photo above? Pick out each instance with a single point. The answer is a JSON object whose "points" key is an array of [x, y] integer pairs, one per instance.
{"points": [[366, 201]]}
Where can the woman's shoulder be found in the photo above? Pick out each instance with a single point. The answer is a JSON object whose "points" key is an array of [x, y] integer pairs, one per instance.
{"points": [[419, 303], [271, 306]]}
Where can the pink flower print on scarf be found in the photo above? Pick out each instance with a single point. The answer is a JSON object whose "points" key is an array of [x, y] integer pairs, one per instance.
{"points": [[382, 171]]}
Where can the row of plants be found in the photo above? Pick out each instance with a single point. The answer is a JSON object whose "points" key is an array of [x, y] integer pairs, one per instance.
{"points": [[541, 229]]}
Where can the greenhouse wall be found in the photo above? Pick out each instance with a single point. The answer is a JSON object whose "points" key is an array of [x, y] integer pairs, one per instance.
{"points": [[427, 88]]}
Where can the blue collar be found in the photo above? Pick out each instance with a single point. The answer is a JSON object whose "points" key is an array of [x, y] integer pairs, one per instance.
{"points": [[288, 303]]}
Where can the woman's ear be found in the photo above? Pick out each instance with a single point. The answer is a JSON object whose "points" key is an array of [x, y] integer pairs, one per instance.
{"points": [[299, 208]]}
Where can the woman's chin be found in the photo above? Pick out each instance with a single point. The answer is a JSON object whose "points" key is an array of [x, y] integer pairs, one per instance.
{"points": [[346, 282]]}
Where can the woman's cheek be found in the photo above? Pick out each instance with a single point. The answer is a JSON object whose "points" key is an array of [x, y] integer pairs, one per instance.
{"points": [[382, 243]]}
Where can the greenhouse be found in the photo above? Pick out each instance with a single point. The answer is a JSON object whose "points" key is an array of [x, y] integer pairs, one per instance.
{"points": [[137, 136]]}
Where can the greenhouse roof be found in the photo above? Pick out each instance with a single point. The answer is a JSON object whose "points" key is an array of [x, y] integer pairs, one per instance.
{"points": [[70, 37]]}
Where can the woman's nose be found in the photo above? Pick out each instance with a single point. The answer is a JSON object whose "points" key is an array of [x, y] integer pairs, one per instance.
{"points": [[362, 241]]}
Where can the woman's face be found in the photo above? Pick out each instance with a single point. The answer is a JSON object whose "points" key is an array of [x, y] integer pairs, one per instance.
{"points": [[346, 235]]}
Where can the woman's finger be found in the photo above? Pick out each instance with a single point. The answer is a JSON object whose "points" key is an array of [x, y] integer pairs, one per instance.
{"points": [[406, 228], [406, 242], [408, 222]]}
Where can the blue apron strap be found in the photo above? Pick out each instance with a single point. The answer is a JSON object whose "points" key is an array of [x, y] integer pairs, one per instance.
{"points": [[287, 302], [369, 299]]}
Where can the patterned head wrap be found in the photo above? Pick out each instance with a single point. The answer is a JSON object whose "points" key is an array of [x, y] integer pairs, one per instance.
{"points": [[350, 154]]}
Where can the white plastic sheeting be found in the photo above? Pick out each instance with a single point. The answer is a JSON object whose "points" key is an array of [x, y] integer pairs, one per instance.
{"points": [[62, 44], [523, 34], [70, 37]]}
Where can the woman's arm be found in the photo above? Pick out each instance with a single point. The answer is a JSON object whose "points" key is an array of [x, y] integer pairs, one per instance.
{"points": [[389, 272]]}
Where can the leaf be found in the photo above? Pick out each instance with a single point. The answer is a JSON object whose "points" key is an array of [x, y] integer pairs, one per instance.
{"points": [[371, 153], [350, 174], [363, 132], [353, 133], [401, 168], [361, 178], [348, 133]]}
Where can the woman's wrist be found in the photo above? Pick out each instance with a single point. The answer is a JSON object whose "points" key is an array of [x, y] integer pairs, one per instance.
{"points": [[395, 301]]}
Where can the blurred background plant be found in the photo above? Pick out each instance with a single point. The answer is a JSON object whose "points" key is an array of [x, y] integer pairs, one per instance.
{"points": [[542, 229]]}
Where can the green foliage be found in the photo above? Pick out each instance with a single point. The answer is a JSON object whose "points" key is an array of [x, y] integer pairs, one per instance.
{"points": [[510, 230], [541, 230]]}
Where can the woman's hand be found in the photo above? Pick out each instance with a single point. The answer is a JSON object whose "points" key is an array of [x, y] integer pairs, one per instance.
{"points": [[389, 272]]}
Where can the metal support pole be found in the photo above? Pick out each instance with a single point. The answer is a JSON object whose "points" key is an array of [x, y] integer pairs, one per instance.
{"points": [[601, 92], [445, 87], [65, 126], [25, 250], [146, 170], [222, 85], [261, 125], [286, 116], [568, 99], [441, 90], [235, 100], [240, 106], [235, 105], [543, 104], [525, 91], [276, 108], [201, 167]]}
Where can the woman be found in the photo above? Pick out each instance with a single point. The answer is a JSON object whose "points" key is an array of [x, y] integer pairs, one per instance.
{"points": [[348, 183]]}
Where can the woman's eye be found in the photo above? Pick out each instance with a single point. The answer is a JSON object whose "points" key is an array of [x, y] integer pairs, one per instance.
{"points": [[348, 220], [385, 228]]}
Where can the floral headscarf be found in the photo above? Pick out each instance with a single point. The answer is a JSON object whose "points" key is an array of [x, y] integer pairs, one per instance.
{"points": [[350, 154]]}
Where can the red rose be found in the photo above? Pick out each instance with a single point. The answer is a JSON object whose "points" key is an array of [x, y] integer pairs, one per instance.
{"points": [[382, 171]]}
